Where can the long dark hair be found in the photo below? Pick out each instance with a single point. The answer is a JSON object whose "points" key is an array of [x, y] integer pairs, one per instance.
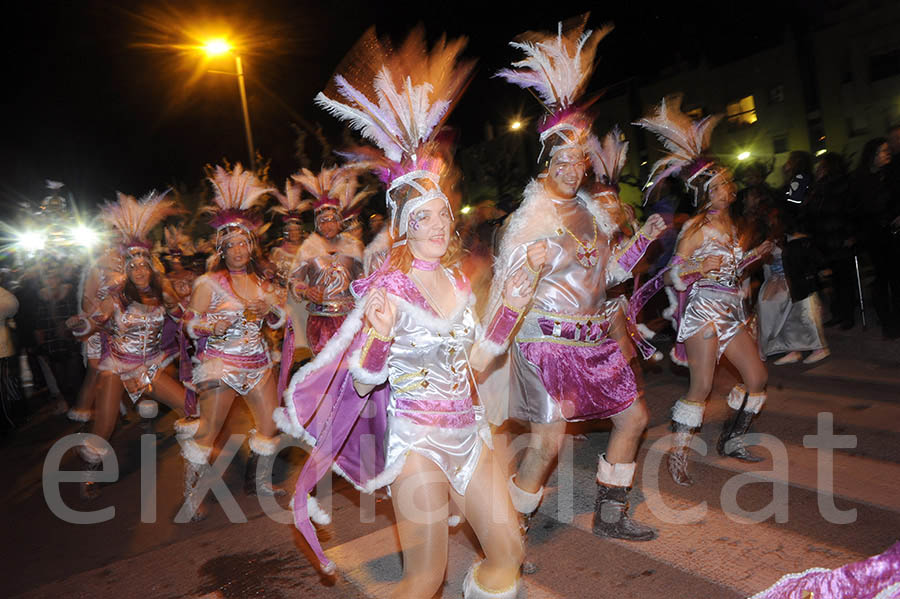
{"points": [[867, 156], [131, 294]]}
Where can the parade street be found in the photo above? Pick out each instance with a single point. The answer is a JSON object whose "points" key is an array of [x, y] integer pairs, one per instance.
{"points": [[714, 551]]}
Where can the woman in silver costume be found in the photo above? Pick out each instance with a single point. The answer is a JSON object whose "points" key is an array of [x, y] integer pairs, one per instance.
{"points": [[706, 271], [406, 352], [229, 306], [132, 314]]}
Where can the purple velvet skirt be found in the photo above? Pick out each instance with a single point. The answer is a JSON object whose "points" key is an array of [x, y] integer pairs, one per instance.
{"points": [[585, 382], [319, 329]]}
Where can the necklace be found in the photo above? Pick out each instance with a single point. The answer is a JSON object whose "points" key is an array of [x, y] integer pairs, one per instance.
{"points": [[427, 294], [586, 254]]}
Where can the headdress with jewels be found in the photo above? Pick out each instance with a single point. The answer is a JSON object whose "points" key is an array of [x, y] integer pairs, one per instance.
{"points": [[290, 205], [686, 141], [134, 219], [558, 68], [236, 193], [400, 108]]}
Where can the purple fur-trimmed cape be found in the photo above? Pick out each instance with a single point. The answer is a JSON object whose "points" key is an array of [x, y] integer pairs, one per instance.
{"points": [[323, 409]]}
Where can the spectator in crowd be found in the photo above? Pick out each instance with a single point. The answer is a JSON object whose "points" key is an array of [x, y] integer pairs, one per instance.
{"points": [[58, 352], [9, 384], [878, 229]]}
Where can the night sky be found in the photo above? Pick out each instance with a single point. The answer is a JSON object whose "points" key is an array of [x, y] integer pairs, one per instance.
{"points": [[99, 96]]}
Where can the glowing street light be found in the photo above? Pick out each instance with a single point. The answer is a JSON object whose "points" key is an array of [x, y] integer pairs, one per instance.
{"points": [[743, 155], [515, 125], [84, 236], [217, 47], [821, 152], [465, 209]]}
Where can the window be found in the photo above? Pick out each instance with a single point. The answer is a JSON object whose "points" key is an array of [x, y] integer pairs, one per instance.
{"points": [[779, 144], [882, 66], [742, 112]]}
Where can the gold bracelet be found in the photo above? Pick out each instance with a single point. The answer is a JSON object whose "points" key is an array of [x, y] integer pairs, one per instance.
{"points": [[372, 332]]}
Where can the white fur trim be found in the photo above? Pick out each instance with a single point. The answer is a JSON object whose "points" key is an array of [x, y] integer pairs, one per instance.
{"points": [[677, 282], [76, 415], [87, 326], [315, 245], [316, 513], [615, 475], [263, 445], [891, 592], [688, 414], [473, 590], [755, 401], [282, 318], [493, 349], [361, 375], [92, 453], [186, 428], [454, 520], [522, 500], [195, 453]]}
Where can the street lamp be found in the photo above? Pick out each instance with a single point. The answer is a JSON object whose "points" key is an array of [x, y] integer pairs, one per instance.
{"points": [[217, 47], [515, 125], [743, 155]]}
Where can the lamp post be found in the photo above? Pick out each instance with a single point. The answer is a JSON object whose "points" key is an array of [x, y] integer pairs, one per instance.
{"points": [[217, 47]]}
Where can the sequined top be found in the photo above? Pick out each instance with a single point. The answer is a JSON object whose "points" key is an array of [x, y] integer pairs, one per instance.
{"points": [[716, 243], [244, 338], [333, 273], [136, 332]]}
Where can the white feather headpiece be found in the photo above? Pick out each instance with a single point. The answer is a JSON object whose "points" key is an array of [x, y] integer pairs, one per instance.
{"points": [[134, 219], [236, 193], [608, 156], [400, 108], [326, 186], [686, 141], [558, 68], [290, 203]]}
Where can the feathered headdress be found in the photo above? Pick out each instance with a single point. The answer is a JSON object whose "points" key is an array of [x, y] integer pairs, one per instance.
{"points": [[236, 193], [558, 68], [400, 108], [177, 241], [686, 141], [326, 187], [608, 157], [134, 219], [290, 205], [352, 201]]}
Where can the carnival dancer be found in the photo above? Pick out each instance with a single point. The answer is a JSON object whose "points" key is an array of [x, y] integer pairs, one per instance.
{"points": [[564, 366], [407, 349], [95, 283], [708, 307], [132, 314], [329, 258], [228, 308]]}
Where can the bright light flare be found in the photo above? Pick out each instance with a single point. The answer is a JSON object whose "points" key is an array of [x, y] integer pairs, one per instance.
{"points": [[32, 241], [84, 236], [515, 125], [465, 209], [216, 47], [821, 152], [743, 155]]}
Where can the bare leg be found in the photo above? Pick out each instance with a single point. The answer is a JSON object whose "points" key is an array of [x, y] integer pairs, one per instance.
{"points": [[167, 390], [540, 455], [106, 404], [214, 407], [263, 399], [86, 395], [487, 507], [743, 353], [702, 351], [420, 497], [628, 426]]}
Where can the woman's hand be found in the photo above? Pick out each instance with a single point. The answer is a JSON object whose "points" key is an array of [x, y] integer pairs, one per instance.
{"points": [[221, 326], [710, 263], [765, 248], [380, 312], [75, 322], [654, 227], [260, 307], [518, 290], [536, 254]]}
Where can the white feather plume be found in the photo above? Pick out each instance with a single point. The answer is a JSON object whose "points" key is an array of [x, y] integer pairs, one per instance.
{"points": [[291, 200], [133, 218], [328, 183], [558, 67], [238, 189], [608, 156]]}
